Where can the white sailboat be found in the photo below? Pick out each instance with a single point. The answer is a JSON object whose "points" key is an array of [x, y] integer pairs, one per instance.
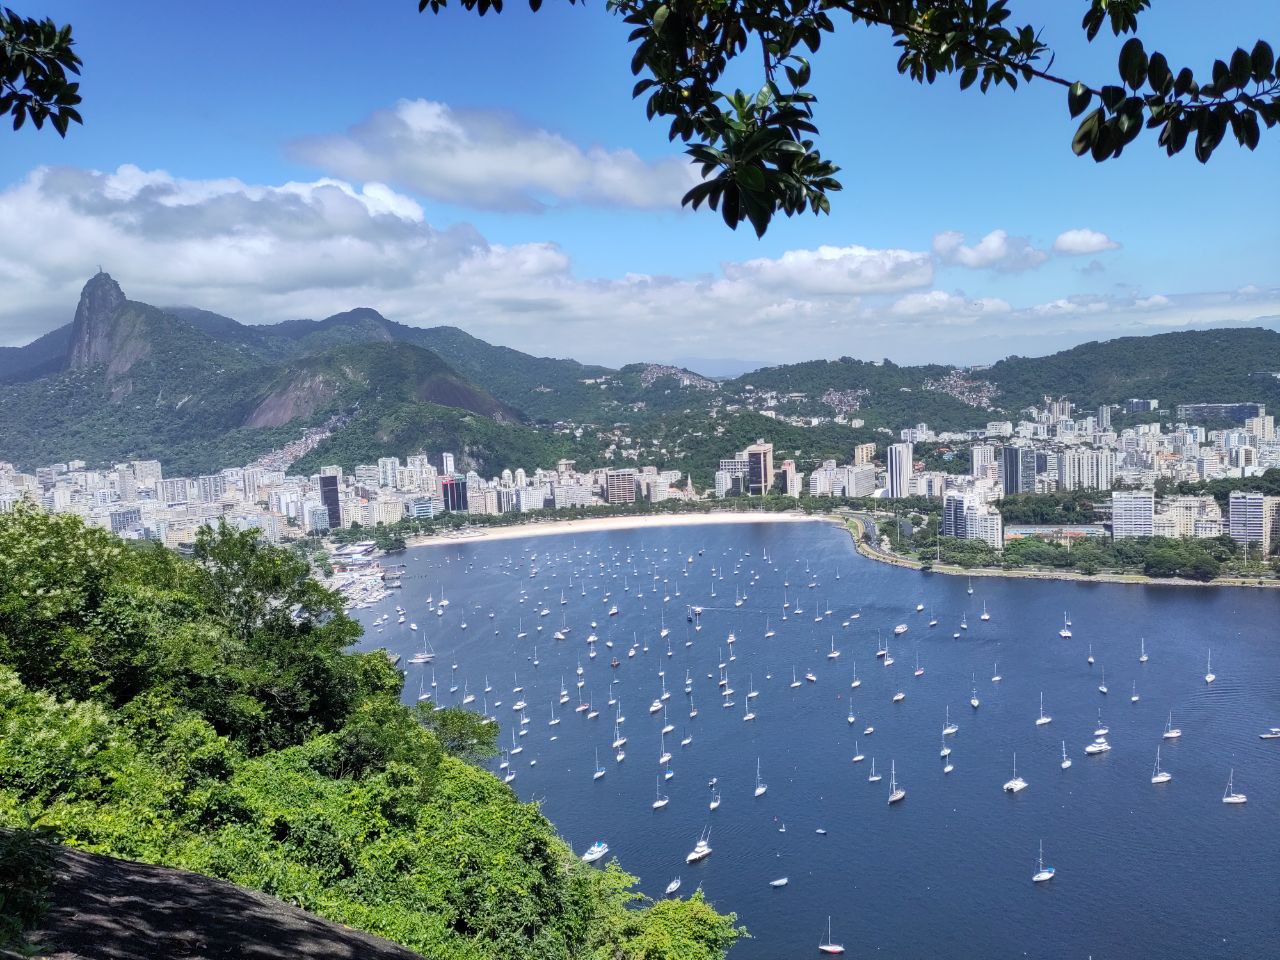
{"points": [[1066, 761], [874, 777], [1142, 650], [985, 616], [896, 792], [1042, 719], [1170, 731], [1065, 632], [834, 654], [948, 728], [1158, 775], [1102, 687], [660, 799], [857, 753], [761, 786], [1133, 697], [1209, 675], [995, 672], [829, 945], [1016, 783], [1042, 873], [599, 769], [1229, 795]]}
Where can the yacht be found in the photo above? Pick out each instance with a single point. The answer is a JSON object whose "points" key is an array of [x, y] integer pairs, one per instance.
{"points": [[874, 777], [715, 800], [780, 882], [1209, 675], [896, 792], [900, 629], [1065, 632], [857, 754], [834, 654], [1042, 873], [949, 728], [761, 786], [1272, 734], [811, 677], [919, 607], [1170, 731], [599, 769], [828, 945], [1229, 795], [985, 616], [1015, 784], [1158, 775], [1098, 746], [1066, 761], [899, 697], [672, 887], [855, 683], [1102, 729], [701, 850], [595, 852], [946, 750]]}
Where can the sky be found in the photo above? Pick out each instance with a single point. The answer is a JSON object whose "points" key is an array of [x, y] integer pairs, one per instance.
{"points": [[296, 159]]}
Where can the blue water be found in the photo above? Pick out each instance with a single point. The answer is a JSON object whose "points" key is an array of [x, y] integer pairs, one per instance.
{"points": [[1142, 870]]}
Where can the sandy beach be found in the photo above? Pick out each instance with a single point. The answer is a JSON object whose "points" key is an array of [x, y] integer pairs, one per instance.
{"points": [[603, 524]]}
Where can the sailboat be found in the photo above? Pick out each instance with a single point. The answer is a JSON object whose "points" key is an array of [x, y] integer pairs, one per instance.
{"points": [[874, 777], [1158, 775], [1066, 761], [828, 946], [857, 753], [855, 683], [973, 697], [995, 672], [834, 654], [761, 786], [1042, 719], [1170, 731], [1015, 784], [949, 728], [919, 671], [1133, 697], [599, 769], [1209, 675], [1065, 632], [1142, 650], [969, 588], [660, 800], [896, 792], [1089, 659], [985, 616], [795, 682], [1229, 795], [715, 799], [1102, 687], [1042, 873]]}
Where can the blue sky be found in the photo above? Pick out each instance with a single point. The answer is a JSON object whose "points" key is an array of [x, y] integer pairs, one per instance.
{"points": [[556, 227]]}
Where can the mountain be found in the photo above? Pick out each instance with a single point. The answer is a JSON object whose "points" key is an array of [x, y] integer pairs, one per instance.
{"points": [[200, 391]]}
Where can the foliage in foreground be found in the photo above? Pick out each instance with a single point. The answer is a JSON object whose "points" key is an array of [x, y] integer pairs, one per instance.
{"points": [[205, 714]]}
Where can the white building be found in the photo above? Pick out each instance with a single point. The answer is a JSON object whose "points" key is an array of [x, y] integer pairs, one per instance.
{"points": [[901, 464], [1132, 514]]}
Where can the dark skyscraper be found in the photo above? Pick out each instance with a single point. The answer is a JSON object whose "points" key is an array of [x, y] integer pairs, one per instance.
{"points": [[329, 500], [454, 492], [1018, 470]]}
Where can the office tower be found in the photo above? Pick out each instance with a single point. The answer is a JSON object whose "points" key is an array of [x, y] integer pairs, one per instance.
{"points": [[900, 466], [861, 481], [453, 490], [966, 517], [329, 500], [1104, 417], [1018, 470], [981, 457], [620, 486], [863, 454], [1132, 514], [759, 457], [790, 478]]}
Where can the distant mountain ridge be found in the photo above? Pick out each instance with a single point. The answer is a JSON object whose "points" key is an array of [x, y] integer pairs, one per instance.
{"points": [[201, 391]]}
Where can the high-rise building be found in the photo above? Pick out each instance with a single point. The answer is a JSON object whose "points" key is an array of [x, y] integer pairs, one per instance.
{"points": [[211, 489], [1104, 417], [453, 490], [387, 467], [966, 517], [1086, 470], [863, 454], [1018, 470], [620, 486], [759, 457], [1251, 519], [900, 462], [790, 478], [330, 501], [446, 463], [981, 458], [1132, 514]]}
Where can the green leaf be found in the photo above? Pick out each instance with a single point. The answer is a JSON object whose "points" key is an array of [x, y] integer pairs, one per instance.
{"points": [[1086, 133], [1078, 97]]}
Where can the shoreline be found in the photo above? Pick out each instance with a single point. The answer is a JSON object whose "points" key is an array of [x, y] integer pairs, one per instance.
{"points": [[606, 524], [1128, 579]]}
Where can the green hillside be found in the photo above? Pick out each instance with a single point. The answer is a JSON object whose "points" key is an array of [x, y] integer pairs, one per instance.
{"points": [[206, 715]]}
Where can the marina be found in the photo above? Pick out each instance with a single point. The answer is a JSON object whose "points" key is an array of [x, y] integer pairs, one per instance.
{"points": [[738, 605]]}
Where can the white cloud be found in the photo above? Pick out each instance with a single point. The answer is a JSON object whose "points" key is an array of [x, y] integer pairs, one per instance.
{"points": [[1082, 242], [997, 251], [492, 160], [263, 253], [838, 270]]}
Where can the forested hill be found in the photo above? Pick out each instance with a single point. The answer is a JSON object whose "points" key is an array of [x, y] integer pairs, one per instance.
{"points": [[205, 714], [1194, 366]]}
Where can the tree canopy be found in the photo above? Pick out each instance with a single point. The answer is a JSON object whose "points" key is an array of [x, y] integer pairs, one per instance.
{"points": [[758, 151]]}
